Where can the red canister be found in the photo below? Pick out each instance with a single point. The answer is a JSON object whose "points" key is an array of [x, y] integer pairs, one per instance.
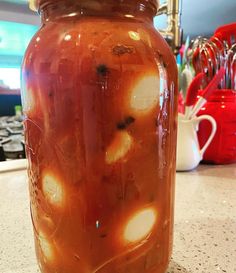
{"points": [[222, 107]]}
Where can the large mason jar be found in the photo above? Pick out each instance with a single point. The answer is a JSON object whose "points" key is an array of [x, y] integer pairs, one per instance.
{"points": [[99, 91]]}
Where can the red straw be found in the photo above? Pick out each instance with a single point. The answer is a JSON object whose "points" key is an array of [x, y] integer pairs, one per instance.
{"points": [[193, 89], [213, 83]]}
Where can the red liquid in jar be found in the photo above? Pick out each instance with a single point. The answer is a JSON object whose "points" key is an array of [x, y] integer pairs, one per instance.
{"points": [[100, 101]]}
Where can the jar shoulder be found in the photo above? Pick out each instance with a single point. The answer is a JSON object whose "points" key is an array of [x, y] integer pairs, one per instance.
{"points": [[98, 34], [90, 42]]}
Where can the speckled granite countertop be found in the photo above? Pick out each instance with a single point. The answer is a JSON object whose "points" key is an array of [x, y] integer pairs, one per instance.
{"points": [[205, 222]]}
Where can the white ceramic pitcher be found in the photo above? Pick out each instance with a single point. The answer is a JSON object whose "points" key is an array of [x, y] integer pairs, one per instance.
{"points": [[189, 154]]}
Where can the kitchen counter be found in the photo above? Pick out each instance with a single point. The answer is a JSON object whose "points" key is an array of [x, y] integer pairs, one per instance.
{"points": [[205, 222]]}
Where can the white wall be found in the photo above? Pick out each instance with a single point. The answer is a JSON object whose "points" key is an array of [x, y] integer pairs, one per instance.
{"points": [[202, 17]]}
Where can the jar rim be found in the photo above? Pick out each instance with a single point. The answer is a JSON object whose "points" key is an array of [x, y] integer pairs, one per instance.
{"points": [[35, 4]]}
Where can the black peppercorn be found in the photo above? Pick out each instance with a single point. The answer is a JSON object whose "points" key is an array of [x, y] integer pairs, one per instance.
{"points": [[102, 70], [129, 120], [122, 125]]}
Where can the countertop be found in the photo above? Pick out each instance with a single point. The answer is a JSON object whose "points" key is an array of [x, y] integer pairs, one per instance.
{"points": [[205, 222]]}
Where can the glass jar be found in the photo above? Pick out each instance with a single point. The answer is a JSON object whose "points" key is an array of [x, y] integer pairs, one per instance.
{"points": [[99, 93], [222, 107]]}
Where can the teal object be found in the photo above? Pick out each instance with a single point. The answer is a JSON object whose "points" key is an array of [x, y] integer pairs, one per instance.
{"points": [[15, 37]]}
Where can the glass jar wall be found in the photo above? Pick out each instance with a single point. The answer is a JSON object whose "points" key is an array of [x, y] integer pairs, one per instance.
{"points": [[100, 102]]}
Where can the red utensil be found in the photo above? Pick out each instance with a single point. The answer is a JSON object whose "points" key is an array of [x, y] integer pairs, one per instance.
{"points": [[192, 92], [206, 58], [207, 92], [227, 33], [233, 73], [181, 103]]}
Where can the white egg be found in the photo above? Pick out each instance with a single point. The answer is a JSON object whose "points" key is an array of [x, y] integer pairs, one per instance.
{"points": [[119, 147], [53, 190], [46, 247], [134, 35], [140, 225], [145, 94]]}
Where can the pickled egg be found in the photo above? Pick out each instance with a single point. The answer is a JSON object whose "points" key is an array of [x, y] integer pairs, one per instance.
{"points": [[119, 147], [134, 35], [46, 247], [140, 225], [53, 189], [145, 94]]}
